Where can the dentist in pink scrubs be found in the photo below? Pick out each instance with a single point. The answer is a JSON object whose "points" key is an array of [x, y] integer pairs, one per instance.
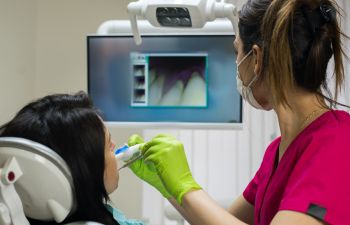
{"points": [[283, 49]]}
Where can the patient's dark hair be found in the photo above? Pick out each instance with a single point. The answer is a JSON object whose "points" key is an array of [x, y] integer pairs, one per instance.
{"points": [[71, 126]]}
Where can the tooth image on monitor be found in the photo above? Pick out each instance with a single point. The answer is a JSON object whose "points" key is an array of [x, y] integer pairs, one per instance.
{"points": [[174, 94], [156, 90], [168, 75], [195, 91], [152, 76]]}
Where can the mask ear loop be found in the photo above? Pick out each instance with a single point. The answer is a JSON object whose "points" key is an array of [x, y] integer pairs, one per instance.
{"points": [[254, 79], [238, 64]]}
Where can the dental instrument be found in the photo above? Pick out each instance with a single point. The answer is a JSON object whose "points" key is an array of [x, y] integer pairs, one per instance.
{"points": [[128, 154], [130, 162], [181, 13]]}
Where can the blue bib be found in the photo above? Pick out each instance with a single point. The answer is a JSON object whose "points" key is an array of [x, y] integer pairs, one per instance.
{"points": [[121, 219]]}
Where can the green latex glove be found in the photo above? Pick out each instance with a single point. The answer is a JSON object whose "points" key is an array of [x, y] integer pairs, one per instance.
{"points": [[168, 156], [146, 171]]}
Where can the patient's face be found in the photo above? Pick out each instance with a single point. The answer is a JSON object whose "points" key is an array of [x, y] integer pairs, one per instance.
{"points": [[111, 175]]}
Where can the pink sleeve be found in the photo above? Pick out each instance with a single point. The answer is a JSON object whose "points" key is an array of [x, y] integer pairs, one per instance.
{"points": [[320, 184], [250, 191], [269, 157]]}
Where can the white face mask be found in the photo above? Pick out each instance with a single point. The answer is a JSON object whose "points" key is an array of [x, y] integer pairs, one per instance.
{"points": [[246, 91]]}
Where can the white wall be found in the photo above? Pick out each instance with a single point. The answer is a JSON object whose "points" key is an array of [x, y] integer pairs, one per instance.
{"points": [[17, 48], [62, 27]]}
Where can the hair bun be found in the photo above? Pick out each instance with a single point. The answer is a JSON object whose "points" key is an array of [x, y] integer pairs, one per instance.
{"points": [[319, 16], [328, 12]]}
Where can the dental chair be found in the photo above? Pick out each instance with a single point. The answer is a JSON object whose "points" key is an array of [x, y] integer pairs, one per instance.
{"points": [[35, 182]]}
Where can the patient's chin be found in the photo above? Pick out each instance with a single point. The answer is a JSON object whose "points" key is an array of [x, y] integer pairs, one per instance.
{"points": [[110, 190], [116, 187], [111, 183]]}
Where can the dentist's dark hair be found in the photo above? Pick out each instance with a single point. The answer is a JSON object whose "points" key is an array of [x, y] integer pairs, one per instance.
{"points": [[298, 38], [71, 126]]}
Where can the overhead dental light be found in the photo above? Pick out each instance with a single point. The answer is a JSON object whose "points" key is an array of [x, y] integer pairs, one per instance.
{"points": [[180, 13]]}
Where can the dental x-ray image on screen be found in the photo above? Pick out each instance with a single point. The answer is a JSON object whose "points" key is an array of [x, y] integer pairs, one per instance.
{"points": [[175, 80], [182, 79]]}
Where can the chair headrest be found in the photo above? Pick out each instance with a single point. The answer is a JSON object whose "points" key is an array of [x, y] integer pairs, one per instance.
{"points": [[46, 186]]}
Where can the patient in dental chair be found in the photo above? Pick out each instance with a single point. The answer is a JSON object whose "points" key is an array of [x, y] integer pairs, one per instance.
{"points": [[72, 127]]}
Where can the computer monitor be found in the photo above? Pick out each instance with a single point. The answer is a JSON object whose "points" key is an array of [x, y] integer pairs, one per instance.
{"points": [[171, 79]]}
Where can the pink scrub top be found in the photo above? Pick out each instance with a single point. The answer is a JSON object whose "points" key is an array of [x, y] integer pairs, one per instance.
{"points": [[312, 177]]}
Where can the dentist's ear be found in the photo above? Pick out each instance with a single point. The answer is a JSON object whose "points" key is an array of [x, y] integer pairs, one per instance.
{"points": [[258, 59]]}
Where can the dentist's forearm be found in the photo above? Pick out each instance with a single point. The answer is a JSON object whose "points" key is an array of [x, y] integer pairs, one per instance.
{"points": [[203, 210], [180, 210]]}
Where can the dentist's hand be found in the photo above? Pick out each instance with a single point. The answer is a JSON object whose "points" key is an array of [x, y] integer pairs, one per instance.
{"points": [[146, 171], [168, 156]]}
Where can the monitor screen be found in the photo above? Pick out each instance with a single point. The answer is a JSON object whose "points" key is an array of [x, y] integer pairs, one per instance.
{"points": [[169, 78]]}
